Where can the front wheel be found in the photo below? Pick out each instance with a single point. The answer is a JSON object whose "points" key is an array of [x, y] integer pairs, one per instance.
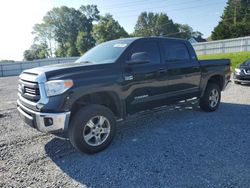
{"points": [[92, 129], [211, 98]]}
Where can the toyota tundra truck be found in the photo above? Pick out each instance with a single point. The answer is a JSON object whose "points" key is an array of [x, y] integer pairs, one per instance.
{"points": [[114, 80]]}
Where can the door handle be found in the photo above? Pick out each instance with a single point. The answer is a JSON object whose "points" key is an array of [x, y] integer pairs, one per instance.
{"points": [[128, 77], [196, 67], [162, 71]]}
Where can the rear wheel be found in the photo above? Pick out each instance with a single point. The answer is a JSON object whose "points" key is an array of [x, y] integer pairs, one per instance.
{"points": [[211, 98], [92, 129]]}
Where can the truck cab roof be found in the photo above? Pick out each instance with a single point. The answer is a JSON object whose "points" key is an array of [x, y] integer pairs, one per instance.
{"points": [[132, 39]]}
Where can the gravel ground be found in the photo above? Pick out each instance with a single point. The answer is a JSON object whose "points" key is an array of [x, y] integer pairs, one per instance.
{"points": [[176, 147]]}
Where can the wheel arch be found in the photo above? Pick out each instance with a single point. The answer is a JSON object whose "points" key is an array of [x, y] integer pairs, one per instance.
{"points": [[108, 99], [217, 79]]}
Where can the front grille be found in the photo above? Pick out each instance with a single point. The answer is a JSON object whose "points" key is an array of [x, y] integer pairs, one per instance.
{"points": [[247, 79], [246, 71], [29, 90]]}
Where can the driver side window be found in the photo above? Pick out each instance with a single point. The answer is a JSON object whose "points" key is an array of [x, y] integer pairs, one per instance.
{"points": [[149, 47]]}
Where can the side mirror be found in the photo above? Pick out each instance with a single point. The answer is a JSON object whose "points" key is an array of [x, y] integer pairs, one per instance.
{"points": [[139, 58]]}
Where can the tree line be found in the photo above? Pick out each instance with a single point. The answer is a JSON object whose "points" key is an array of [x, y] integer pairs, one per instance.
{"points": [[68, 31], [235, 21]]}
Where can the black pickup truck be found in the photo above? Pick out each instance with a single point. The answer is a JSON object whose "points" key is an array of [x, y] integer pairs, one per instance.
{"points": [[113, 80]]}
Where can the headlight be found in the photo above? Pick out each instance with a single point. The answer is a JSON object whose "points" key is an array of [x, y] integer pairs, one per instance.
{"points": [[57, 87], [237, 71]]}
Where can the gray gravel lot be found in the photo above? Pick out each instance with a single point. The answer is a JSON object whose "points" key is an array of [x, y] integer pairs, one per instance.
{"points": [[175, 147]]}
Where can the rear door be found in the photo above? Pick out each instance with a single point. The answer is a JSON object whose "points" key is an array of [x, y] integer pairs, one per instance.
{"points": [[144, 83], [183, 71]]}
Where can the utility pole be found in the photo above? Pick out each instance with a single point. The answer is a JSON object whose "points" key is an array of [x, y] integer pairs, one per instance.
{"points": [[235, 12]]}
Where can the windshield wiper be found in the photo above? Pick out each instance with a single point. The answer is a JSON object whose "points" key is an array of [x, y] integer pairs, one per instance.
{"points": [[85, 62]]}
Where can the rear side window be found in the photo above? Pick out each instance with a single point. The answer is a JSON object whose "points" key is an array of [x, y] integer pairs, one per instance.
{"points": [[175, 51], [150, 47]]}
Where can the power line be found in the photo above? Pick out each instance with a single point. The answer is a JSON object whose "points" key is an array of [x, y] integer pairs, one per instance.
{"points": [[130, 4], [157, 7], [174, 33], [133, 5], [173, 10], [171, 22], [170, 34]]}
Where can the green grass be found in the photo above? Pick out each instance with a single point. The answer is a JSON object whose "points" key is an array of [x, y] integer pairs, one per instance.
{"points": [[236, 58]]}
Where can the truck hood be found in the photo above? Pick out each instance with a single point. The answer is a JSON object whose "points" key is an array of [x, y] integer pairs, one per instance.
{"points": [[69, 70], [244, 66]]}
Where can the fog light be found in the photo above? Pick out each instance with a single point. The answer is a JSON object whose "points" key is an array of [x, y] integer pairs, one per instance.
{"points": [[48, 122]]}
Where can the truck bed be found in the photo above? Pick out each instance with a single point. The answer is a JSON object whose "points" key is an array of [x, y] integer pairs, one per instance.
{"points": [[212, 67], [214, 62]]}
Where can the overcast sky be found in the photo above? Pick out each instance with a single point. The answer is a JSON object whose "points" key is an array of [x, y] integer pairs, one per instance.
{"points": [[17, 17]]}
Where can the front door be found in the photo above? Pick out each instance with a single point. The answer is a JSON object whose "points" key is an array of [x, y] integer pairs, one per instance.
{"points": [[144, 83]]}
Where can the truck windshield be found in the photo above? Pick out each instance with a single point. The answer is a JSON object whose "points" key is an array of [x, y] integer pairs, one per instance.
{"points": [[104, 53]]}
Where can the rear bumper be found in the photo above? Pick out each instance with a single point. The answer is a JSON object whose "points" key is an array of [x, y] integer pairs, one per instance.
{"points": [[44, 122]]}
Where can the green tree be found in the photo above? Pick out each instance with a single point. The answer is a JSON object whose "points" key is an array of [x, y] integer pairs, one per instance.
{"points": [[234, 21], [85, 39], [108, 29], [84, 42], [44, 34], [154, 24], [60, 29], [197, 34], [66, 22], [36, 51], [92, 14], [185, 31]]}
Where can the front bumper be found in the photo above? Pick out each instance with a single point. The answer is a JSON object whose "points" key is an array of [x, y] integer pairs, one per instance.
{"points": [[241, 78], [44, 122]]}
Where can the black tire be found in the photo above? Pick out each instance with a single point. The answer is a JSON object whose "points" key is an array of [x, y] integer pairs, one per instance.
{"points": [[205, 102], [79, 124]]}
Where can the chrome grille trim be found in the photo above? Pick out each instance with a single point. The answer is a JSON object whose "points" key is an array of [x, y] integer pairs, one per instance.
{"points": [[29, 90], [245, 71], [34, 88]]}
